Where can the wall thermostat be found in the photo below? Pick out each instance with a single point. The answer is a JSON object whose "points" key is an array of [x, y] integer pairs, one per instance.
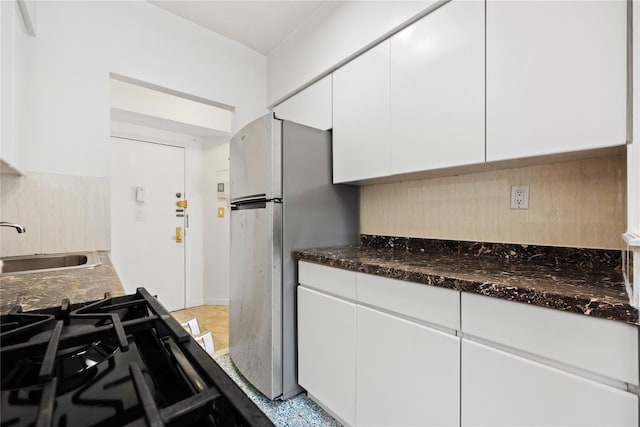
{"points": [[140, 194], [223, 190]]}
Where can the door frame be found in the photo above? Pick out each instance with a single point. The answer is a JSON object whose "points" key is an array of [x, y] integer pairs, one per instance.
{"points": [[193, 165]]}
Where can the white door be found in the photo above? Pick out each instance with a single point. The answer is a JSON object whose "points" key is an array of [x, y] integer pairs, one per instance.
{"points": [[145, 246]]}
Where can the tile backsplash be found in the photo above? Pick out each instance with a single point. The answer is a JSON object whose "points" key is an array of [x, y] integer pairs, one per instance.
{"points": [[62, 213], [579, 203]]}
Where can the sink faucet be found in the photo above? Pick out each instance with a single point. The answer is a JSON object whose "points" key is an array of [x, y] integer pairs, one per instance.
{"points": [[19, 228]]}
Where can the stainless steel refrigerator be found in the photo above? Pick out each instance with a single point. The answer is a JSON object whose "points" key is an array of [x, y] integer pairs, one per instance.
{"points": [[282, 199]]}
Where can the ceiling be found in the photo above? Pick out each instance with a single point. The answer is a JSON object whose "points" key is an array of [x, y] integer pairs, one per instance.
{"points": [[260, 25]]}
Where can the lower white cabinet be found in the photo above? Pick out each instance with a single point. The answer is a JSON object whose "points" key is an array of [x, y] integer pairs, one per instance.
{"points": [[554, 335], [383, 352], [406, 374], [327, 351], [503, 389]]}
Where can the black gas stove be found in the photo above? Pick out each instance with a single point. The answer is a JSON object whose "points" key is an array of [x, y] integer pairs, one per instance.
{"points": [[121, 361]]}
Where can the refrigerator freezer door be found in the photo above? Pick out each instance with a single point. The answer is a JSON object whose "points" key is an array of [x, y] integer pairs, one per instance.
{"points": [[255, 305], [255, 154]]}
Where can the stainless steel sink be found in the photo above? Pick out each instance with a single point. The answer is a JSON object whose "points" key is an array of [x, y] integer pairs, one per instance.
{"points": [[49, 262]]}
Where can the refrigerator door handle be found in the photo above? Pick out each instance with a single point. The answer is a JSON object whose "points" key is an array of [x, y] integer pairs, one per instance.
{"points": [[260, 203], [249, 199]]}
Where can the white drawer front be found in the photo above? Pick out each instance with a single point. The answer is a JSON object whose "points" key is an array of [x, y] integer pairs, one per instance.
{"points": [[501, 389], [602, 346], [328, 279], [429, 303]]}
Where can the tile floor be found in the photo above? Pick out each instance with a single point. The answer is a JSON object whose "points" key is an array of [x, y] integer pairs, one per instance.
{"points": [[213, 318], [298, 411]]}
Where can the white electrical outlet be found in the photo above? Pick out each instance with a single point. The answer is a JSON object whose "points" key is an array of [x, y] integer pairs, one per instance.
{"points": [[520, 197]]}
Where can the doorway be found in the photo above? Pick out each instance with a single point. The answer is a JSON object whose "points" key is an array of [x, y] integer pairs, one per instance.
{"points": [[148, 228], [141, 111]]}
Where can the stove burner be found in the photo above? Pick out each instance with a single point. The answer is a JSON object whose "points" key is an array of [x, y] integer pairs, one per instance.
{"points": [[15, 324], [117, 361], [69, 362]]}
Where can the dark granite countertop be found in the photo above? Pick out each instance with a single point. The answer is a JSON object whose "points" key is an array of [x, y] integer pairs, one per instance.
{"points": [[46, 289], [583, 281]]}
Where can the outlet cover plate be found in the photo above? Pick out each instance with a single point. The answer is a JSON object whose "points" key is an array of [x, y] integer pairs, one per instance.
{"points": [[520, 197]]}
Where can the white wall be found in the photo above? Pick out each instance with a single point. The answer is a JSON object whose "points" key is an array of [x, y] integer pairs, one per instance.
{"points": [[65, 119], [153, 104], [335, 33], [62, 213], [216, 230]]}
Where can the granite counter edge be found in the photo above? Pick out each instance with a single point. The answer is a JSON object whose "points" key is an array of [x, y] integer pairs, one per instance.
{"points": [[40, 290], [521, 294]]}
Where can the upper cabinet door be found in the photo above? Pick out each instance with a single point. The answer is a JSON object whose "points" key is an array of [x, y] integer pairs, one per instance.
{"points": [[361, 117], [310, 107], [437, 90], [556, 76]]}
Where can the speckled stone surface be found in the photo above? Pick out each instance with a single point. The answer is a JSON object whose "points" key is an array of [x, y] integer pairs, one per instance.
{"points": [[298, 411], [46, 289], [582, 281]]}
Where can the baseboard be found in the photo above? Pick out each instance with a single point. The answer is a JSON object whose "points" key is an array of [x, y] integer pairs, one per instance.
{"points": [[216, 301], [195, 302], [327, 410]]}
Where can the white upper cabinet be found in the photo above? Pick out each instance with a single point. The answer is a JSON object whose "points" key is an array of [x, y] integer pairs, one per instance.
{"points": [[361, 117], [310, 107], [437, 90], [556, 77]]}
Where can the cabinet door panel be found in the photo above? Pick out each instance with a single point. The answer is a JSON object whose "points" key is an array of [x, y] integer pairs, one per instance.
{"points": [[326, 351], [437, 90], [361, 116], [310, 107], [501, 389], [556, 77], [289, 109], [315, 105], [407, 374]]}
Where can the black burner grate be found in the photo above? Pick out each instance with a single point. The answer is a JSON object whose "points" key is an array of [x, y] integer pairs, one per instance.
{"points": [[115, 361]]}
